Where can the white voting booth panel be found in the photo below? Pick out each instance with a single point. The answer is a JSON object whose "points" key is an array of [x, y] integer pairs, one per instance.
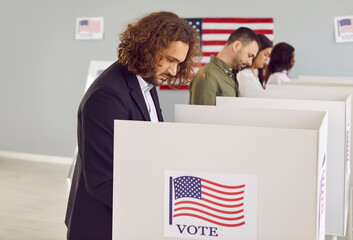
{"points": [[325, 79], [320, 82], [289, 170], [315, 92], [337, 178], [266, 118]]}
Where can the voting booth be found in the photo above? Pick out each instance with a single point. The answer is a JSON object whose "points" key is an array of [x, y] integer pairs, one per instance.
{"points": [[314, 92], [279, 184], [337, 167], [259, 118]]}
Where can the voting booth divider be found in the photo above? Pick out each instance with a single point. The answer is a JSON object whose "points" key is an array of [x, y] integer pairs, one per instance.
{"points": [[318, 81], [316, 91], [338, 170], [216, 175], [325, 79]]}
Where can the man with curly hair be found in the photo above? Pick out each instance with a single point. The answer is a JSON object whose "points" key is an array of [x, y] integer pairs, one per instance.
{"points": [[217, 78], [161, 47]]}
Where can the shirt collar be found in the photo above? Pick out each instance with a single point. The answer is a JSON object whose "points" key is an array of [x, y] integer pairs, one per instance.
{"points": [[224, 66], [284, 71], [145, 86]]}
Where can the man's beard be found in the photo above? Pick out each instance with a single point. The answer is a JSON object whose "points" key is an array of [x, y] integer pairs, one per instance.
{"points": [[156, 82], [150, 80], [238, 66]]}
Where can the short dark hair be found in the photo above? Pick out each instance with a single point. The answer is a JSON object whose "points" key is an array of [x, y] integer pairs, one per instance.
{"points": [[142, 44], [244, 35]]}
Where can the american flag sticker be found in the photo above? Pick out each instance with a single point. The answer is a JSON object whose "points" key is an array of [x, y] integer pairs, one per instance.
{"points": [[204, 206], [89, 28]]}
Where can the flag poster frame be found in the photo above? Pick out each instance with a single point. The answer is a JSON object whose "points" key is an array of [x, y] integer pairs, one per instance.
{"points": [[89, 28], [343, 29]]}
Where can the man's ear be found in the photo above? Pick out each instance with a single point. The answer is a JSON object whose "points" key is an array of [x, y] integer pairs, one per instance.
{"points": [[236, 45]]}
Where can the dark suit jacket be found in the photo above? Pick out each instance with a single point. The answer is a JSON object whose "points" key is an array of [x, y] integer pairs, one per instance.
{"points": [[115, 94]]}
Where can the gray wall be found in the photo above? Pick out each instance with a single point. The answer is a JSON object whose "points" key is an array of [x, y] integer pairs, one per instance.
{"points": [[43, 69]]}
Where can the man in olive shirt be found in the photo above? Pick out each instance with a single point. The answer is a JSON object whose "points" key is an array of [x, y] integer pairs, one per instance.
{"points": [[217, 78]]}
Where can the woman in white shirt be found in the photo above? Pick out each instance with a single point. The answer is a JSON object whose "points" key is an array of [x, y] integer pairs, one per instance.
{"points": [[282, 60], [247, 78]]}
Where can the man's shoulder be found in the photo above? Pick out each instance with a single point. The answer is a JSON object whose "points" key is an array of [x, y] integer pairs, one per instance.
{"points": [[114, 77], [114, 70], [112, 82], [211, 67], [207, 72]]}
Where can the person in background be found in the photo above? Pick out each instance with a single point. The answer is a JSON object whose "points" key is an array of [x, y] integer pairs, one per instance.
{"points": [[160, 47], [217, 78], [282, 60], [247, 78]]}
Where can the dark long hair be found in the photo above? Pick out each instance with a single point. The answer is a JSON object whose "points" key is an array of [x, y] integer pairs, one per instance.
{"points": [[281, 57], [142, 44], [265, 43]]}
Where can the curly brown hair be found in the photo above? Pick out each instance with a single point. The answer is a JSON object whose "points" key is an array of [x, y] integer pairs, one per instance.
{"points": [[142, 44]]}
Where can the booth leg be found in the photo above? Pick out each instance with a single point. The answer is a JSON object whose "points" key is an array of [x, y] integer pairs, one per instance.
{"points": [[349, 230]]}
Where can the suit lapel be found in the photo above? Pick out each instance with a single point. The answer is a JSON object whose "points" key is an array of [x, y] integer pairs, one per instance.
{"points": [[136, 94]]}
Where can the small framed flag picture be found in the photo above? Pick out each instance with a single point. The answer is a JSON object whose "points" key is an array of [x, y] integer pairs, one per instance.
{"points": [[343, 29], [89, 28]]}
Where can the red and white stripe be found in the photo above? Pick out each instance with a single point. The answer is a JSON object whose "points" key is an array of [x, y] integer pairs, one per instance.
{"points": [[221, 205]]}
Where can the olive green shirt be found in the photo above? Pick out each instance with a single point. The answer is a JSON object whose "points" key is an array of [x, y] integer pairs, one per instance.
{"points": [[216, 78]]}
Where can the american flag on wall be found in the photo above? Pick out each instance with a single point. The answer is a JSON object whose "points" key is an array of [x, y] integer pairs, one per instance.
{"points": [[212, 202], [214, 33]]}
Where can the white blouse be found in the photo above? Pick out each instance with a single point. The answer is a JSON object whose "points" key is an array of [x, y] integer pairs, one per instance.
{"points": [[278, 77], [248, 80]]}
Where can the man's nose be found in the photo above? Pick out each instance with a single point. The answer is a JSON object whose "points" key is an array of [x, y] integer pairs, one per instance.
{"points": [[249, 62], [173, 68]]}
